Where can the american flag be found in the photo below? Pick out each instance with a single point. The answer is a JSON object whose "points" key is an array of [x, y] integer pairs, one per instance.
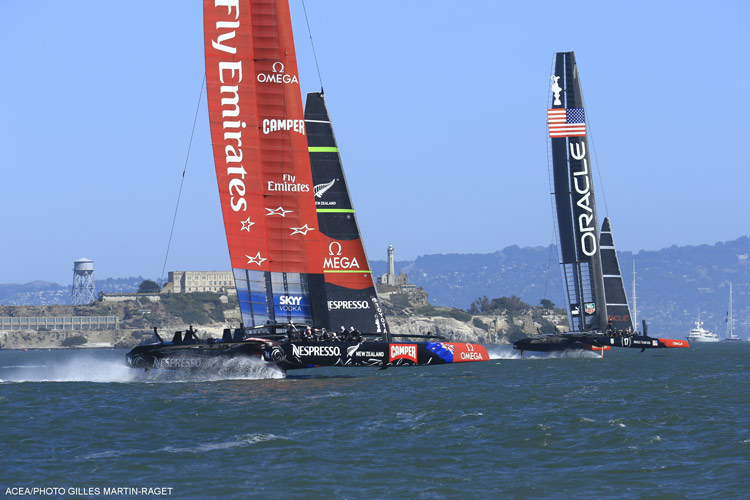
{"points": [[565, 122]]}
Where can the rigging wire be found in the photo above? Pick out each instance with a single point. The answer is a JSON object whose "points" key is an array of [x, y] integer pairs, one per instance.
{"points": [[182, 182], [549, 264], [315, 56], [589, 128]]}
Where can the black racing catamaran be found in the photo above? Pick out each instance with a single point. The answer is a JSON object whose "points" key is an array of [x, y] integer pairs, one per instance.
{"points": [[598, 311], [298, 260]]}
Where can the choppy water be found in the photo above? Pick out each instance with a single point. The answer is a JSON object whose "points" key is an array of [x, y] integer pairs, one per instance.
{"points": [[659, 424]]}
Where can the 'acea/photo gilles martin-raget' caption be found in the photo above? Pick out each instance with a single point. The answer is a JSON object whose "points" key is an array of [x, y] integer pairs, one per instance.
{"points": [[88, 491]]}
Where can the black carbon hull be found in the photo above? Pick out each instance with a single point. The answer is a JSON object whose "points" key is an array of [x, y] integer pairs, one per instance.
{"points": [[305, 354], [592, 342]]}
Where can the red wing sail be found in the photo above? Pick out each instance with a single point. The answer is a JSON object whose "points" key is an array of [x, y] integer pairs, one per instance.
{"points": [[261, 157]]}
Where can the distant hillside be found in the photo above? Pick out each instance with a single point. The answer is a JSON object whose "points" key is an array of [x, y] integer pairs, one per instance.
{"points": [[674, 284]]}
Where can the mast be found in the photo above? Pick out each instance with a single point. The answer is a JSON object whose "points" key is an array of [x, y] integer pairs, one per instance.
{"points": [[635, 307], [730, 320], [573, 199]]}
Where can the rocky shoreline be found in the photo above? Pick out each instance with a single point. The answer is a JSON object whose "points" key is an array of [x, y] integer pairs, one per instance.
{"points": [[136, 322]]}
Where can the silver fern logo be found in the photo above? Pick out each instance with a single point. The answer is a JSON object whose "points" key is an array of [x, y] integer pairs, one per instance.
{"points": [[320, 189]]}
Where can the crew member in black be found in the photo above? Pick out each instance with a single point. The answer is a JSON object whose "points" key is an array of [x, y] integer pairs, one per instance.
{"points": [[354, 334], [291, 332]]}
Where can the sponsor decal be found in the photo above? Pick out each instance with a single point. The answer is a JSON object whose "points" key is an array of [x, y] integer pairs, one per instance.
{"points": [[403, 351], [290, 303], [256, 260], [381, 326], [177, 363], [300, 351], [370, 354], [288, 184], [276, 354], [336, 261], [277, 211], [230, 77], [246, 224], [459, 353], [320, 189], [301, 230], [556, 89], [582, 198], [347, 304], [442, 349], [277, 75], [471, 354], [619, 317], [589, 307], [270, 125]]}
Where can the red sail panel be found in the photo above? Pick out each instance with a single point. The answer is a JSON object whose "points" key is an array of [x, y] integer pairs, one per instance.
{"points": [[345, 264], [259, 137]]}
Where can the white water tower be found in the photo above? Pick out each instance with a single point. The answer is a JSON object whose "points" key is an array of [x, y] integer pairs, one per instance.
{"points": [[84, 291]]}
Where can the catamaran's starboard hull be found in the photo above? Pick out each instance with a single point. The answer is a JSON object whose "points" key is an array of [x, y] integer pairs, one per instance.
{"points": [[592, 342], [295, 355]]}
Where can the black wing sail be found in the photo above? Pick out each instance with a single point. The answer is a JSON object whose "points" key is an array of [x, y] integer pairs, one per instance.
{"points": [[351, 297], [573, 197], [618, 310]]}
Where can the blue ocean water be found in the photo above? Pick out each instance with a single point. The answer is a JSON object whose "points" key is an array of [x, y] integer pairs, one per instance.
{"points": [[667, 424]]}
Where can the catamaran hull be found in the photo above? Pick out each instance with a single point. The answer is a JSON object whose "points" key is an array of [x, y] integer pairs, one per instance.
{"points": [[296, 355], [592, 342], [191, 356]]}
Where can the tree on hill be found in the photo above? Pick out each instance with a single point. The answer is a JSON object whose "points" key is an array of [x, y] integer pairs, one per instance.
{"points": [[510, 304], [547, 304], [149, 286]]}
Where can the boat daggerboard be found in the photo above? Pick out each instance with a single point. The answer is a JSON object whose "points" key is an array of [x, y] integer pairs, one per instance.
{"points": [[618, 310], [573, 196], [262, 162], [351, 297]]}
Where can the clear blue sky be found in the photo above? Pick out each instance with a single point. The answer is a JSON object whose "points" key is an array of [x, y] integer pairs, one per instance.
{"points": [[438, 108]]}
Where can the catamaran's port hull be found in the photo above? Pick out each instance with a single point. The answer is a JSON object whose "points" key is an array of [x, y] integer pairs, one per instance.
{"points": [[295, 355]]}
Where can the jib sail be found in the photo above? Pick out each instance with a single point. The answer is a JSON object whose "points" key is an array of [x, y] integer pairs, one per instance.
{"points": [[618, 311], [261, 157], [573, 196], [351, 297]]}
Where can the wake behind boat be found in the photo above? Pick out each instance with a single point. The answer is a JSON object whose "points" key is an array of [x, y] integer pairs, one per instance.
{"points": [[293, 238], [598, 311]]}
